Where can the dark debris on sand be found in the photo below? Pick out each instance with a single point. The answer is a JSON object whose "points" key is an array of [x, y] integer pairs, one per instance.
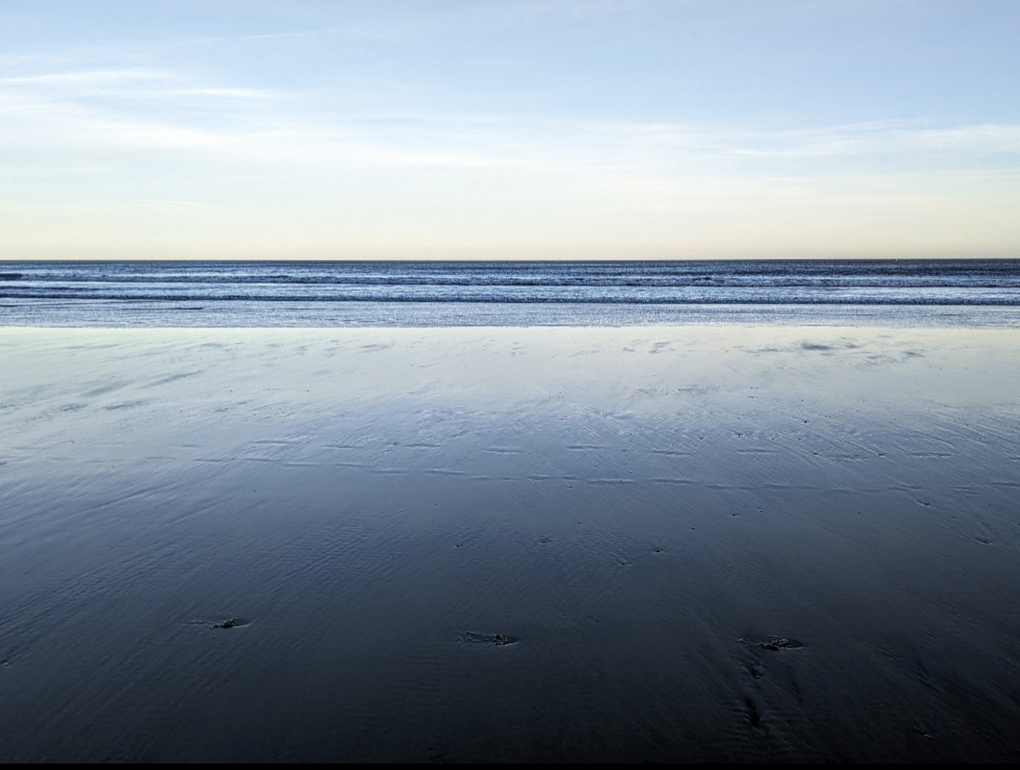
{"points": [[497, 640], [232, 623]]}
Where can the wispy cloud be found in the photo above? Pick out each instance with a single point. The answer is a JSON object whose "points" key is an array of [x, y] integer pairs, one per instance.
{"points": [[365, 32], [84, 107], [885, 138], [843, 141], [85, 79], [119, 83]]}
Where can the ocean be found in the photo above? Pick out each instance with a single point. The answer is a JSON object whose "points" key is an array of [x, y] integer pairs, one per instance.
{"points": [[171, 294]]}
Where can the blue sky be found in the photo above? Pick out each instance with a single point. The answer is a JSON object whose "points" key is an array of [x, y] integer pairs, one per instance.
{"points": [[566, 129]]}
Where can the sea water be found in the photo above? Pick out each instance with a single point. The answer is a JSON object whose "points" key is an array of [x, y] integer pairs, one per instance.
{"points": [[168, 294]]}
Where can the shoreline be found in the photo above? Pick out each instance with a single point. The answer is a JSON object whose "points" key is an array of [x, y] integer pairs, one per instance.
{"points": [[414, 315]]}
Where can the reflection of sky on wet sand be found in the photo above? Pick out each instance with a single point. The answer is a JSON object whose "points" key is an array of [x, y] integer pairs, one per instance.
{"points": [[631, 365], [640, 508]]}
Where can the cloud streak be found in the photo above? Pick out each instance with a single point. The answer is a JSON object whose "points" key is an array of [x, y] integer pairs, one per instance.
{"points": [[74, 108]]}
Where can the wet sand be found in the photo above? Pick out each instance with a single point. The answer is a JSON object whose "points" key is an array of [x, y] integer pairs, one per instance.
{"points": [[675, 543]]}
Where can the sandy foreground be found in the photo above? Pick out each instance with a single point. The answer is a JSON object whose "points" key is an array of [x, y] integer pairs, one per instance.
{"points": [[700, 542]]}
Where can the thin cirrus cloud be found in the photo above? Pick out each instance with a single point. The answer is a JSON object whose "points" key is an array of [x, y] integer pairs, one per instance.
{"points": [[62, 90], [94, 106], [394, 153]]}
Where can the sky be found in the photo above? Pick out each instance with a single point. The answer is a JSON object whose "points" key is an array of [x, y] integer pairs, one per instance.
{"points": [[562, 129]]}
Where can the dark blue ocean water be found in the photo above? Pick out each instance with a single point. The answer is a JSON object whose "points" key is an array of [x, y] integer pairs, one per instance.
{"points": [[456, 293]]}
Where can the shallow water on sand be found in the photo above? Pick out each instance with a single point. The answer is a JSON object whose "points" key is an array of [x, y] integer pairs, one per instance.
{"points": [[701, 542]]}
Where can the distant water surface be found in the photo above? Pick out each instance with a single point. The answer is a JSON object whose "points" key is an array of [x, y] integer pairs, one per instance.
{"points": [[962, 292]]}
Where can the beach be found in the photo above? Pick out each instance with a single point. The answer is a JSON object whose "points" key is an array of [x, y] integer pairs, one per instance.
{"points": [[578, 381], [702, 542]]}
